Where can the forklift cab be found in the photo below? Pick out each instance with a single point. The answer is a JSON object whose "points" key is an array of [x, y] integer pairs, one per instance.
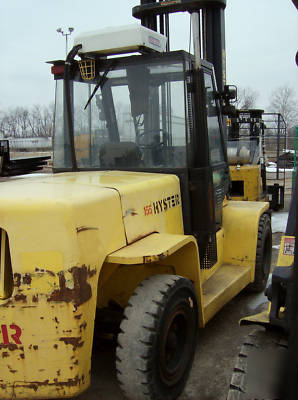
{"points": [[153, 113]]}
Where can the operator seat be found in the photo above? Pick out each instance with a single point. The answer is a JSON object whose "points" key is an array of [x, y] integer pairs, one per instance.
{"points": [[120, 154]]}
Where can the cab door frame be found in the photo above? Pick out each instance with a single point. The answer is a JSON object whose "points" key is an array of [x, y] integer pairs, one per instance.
{"points": [[208, 180]]}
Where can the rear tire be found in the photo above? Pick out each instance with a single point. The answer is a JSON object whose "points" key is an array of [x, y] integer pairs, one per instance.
{"points": [[157, 338], [263, 255]]}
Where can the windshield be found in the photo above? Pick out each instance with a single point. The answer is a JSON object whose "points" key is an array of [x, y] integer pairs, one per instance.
{"points": [[135, 119]]}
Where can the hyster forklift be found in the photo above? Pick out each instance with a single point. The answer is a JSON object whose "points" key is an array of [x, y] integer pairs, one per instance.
{"points": [[135, 220]]}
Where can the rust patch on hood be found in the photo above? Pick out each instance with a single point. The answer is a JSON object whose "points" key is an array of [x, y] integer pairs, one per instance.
{"points": [[35, 298], [91, 272], [9, 303], [11, 347], [20, 297], [43, 271], [73, 341], [83, 326], [27, 279], [79, 294], [76, 381], [13, 371], [130, 212], [17, 279], [86, 228]]}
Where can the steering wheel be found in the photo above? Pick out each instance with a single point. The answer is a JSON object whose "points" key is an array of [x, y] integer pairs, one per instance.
{"points": [[153, 144]]}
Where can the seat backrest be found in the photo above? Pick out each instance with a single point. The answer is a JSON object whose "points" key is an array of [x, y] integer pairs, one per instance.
{"points": [[119, 154]]}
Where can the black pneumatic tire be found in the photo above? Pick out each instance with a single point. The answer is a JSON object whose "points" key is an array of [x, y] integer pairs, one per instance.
{"points": [[258, 371], [263, 255], [157, 338]]}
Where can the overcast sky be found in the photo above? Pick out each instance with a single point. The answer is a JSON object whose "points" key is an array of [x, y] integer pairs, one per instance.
{"points": [[261, 43]]}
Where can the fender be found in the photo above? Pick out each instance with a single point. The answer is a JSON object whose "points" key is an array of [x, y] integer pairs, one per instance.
{"points": [[240, 223], [156, 253]]}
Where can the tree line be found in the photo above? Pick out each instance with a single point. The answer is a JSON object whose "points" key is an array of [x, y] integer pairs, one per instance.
{"points": [[37, 121], [21, 122]]}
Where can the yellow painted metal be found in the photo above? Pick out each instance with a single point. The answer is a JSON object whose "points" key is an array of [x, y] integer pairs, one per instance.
{"points": [[235, 268], [78, 241], [179, 253], [225, 284], [259, 319], [186, 263], [240, 222], [232, 272], [60, 231], [250, 175], [61, 228], [165, 253], [151, 205], [124, 280], [152, 248]]}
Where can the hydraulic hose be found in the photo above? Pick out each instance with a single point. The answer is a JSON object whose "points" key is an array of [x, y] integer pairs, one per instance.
{"points": [[71, 55]]}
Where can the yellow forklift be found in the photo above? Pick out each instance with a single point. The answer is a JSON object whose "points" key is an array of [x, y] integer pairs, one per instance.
{"points": [[247, 157], [135, 222]]}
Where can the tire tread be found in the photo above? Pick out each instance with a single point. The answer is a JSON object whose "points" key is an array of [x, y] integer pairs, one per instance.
{"points": [[258, 339], [136, 378]]}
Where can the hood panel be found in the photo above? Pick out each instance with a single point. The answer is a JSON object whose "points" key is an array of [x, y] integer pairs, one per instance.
{"points": [[148, 202]]}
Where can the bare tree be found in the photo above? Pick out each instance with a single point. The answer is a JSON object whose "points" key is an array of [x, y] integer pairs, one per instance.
{"points": [[247, 98], [21, 116], [22, 122], [9, 122], [283, 101]]}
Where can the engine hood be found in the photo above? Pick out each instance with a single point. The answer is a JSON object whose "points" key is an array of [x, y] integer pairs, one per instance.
{"points": [[123, 206]]}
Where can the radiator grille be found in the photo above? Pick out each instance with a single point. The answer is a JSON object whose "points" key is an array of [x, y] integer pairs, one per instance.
{"points": [[219, 196], [209, 257], [6, 279]]}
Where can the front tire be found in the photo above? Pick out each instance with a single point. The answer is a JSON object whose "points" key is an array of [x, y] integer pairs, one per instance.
{"points": [[157, 338], [263, 255]]}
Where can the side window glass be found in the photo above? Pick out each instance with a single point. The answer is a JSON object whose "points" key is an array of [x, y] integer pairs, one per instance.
{"points": [[215, 143]]}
